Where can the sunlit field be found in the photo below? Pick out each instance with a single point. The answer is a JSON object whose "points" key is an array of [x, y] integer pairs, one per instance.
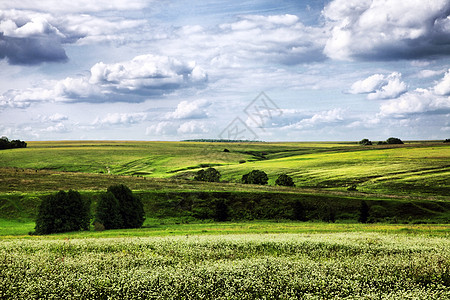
{"points": [[414, 168], [351, 265]]}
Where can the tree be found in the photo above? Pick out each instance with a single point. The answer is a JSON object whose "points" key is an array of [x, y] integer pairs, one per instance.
{"points": [[63, 212], [5, 143], [284, 180], [394, 141], [221, 211], [299, 211], [255, 177], [130, 207], [108, 211], [209, 175], [363, 212], [365, 142]]}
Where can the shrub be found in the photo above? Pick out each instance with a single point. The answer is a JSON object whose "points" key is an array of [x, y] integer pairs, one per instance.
{"points": [[209, 175], [226, 150], [108, 211], [255, 177], [447, 141], [365, 142], [130, 207], [284, 180], [394, 141], [62, 212]]}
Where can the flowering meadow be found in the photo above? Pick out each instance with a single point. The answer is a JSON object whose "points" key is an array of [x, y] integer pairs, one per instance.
{"points": [[342, 265]]}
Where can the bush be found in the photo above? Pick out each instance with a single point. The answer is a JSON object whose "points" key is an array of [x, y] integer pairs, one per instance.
{"points": [[255, 177], [365, 142], [447, 141], [108, 211], [299, 211], [130, 207], [63, 212], [284, 180], [209, 175], [394, 141]]}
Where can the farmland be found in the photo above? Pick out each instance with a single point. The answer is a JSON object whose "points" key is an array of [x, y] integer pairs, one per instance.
{"points": [[260, 252]]}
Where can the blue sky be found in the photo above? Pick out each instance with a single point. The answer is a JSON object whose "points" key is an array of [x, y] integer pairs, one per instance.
{"points": [[312, 70]]}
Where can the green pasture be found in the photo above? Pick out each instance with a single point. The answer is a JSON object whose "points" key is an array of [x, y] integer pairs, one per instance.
{"points": [[410, 169]]}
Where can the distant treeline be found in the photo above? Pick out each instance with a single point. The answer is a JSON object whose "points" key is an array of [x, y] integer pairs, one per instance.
{"points": [[222, 141], [5, 143]]}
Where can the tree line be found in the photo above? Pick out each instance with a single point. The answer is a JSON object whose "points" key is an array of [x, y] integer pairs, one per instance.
{"points": [[5, 143]]}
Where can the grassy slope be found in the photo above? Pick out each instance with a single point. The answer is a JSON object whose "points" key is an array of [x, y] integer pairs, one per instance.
{"points": [[413, 168]]}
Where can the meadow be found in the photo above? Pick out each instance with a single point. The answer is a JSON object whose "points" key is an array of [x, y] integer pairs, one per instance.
{"points": [[341, 265], [410, 169], [260, 253]]}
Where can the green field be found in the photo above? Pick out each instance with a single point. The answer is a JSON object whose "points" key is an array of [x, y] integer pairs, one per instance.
{"points": [[261, 253], [410, 169]]}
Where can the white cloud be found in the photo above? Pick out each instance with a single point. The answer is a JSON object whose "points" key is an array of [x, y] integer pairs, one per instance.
{"points": [[193, 127], [30, 37], [120, 119], [430, 73], [135, 80], [161, 128], [379, 86], [387, 29], [70, 6], [443, 87], [320, 119], [57, 128], [190, 110]]}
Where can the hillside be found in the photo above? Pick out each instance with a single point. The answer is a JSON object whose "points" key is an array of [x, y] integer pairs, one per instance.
{"points": [[419, 169]]}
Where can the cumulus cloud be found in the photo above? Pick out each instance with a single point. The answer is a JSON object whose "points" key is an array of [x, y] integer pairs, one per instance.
{"points": [[29, 37], [161, 128], [387, 29], [419, 101], [57, 128], [380, 86], [192, 127], [120, 119], [70, 6], [136, 80], [430, 73], [319, 119], [190, 110], [275, 38], [443, 87]]}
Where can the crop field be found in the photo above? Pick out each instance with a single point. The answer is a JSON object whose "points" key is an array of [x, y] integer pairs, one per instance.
{"points": [[350, 265]]}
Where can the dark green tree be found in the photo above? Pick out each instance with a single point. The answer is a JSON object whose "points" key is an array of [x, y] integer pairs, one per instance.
{"points": [[394, 141], [284, 180], [209, 175], [365, 142], [363, 212], [130, 207], [299, 211], [255, 177], [221, 211], [63, 212], [108, 211]]}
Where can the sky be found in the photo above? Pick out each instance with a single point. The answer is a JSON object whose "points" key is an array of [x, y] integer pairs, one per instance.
{"points": [[313, 70]]}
